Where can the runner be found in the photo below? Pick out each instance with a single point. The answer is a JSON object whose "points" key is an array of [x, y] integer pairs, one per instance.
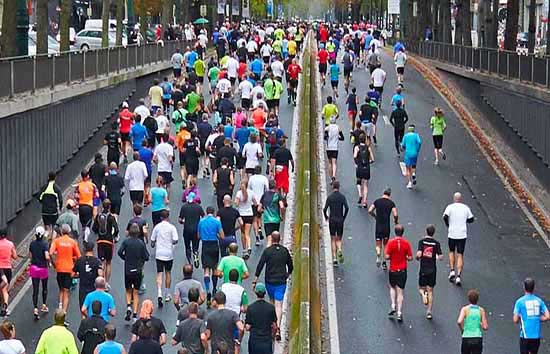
{"points": [[210, 233], [338, 208], [109, 346], [428, 252], [400, 59], [100, 295], [252, 153], [145, 154], [232, 262], [190, 215], [334, 71], [472, 321], [259, 184], [189, 332], [278, 268], [231, 222], [114, 186], [135, 178], [411, 144], [438, 125], [51, 199], [272, 207], [456, 216], [398, 252], [181, 290], [138, 134], [280, 163], [164, 238], [146, 318], [69, 217], [106, 228], [38, 270], [381, 210], [293, 71], [363, 157], [244, 199], [397, 97], [322, 56], [114, 143], [140, 221], [85, 193], [333, 135], [164, 158], [64, 251], [352, 101], [347, 61], [224, 181], [221, 327], [378, 77], [398, 120], [125, 121], [367, 115]]}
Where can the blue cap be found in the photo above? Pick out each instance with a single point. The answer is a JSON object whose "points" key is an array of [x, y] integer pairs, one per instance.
{"points": [[191, 197]]}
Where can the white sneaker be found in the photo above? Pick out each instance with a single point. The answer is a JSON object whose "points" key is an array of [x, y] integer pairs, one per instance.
{"points": [[168, 298], [452, 276], [409, 185], [458, 281], [436, 162]]}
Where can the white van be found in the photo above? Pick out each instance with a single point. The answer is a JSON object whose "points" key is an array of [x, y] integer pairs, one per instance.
{"points": [[97, 24]]}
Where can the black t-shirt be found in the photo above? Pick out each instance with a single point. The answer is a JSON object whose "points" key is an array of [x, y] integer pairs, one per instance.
{"points": [[188, 334], [282, 156], [192, 214], [134, 253], [112, 140], [338, 206], [203, 130], [218, 143], [228, 216], [157, 327], [97, 173], [363, 157], [431, 248], [228, 152], [367, 113], [38, 249], [191, 154], [113, 187], [260, 316], [356, 134], [221, 324], [383, 207], [145, 346], [352, 102], [141, 222], [177, 96], [87, 268], [224, 181]]}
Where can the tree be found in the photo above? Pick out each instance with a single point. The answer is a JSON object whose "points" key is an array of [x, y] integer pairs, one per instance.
{"points": [[493, 38], [467, 22], [532, 25], [105, 27], [436, 31], [423, 20], [445, 8], [9, 29], [459, 19], [64, 23], [548, 33], [511, 31], [167, 12], [41, 26], [119, 19]]}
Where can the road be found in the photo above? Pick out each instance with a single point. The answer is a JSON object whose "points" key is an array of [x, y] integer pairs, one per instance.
{"points": [[29, 331], [501, 250]]}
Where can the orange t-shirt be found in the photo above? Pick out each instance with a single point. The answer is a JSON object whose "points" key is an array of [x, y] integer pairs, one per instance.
{"points": [[66, 251], [181, 138], [259, 119], [6, 249], [86, 193]]}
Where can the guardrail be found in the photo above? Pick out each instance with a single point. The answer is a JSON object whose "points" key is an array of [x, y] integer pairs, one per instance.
{"points": [[28, 74], [527, 68]]}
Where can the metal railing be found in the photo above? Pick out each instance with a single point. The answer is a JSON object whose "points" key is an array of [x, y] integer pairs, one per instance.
{"points": [[506, 64], [28, 74]]}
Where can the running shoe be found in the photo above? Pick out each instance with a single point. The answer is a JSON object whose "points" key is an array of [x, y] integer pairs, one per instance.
{"points": [[340, 256], [452, 276], [409, 185], [335, 262], [142, 289], [391, 312], [128, 314], [245, 256], [249, 251], [278, 335], [160, 302], [458, 281], [36, 314], [360, 201], [134, 318], [378, 262], [44, 309], [443, 156], [196, 260], [436, 162], [168, 298], [261, 234], [384, 265], [414, 178], [208, 300], [399, 317], [107, 287], [429, 316], [374, 139], [258, 241]]}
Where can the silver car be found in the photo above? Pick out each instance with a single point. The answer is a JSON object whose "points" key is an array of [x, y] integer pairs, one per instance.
{"points": [[91, 39]]}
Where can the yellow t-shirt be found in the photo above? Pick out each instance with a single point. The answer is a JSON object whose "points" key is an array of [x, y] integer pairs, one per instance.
{"points": [[292, 48], [155, 93], [329, 110]]}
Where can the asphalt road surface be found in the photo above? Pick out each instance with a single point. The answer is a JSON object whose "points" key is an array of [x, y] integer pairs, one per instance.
{"points": [[501, 249], [29, 331]]}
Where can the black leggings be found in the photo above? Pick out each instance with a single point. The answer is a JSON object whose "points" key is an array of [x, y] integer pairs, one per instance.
{"points": [[398, 135], [191, 243], [35, 287]]}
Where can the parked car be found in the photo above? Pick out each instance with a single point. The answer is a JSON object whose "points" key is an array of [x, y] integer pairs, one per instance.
{"points": [[91, 39], [53, 45], [72, 35]]}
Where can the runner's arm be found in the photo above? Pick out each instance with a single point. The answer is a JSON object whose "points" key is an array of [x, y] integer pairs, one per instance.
{"points": [[460, 320], [484, 322], [395, 216]]}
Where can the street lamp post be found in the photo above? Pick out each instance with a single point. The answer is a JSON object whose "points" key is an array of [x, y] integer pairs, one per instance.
{"points": [[22, 25]]}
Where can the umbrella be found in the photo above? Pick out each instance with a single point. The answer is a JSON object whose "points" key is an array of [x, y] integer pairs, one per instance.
{"points": [[200, 21]]}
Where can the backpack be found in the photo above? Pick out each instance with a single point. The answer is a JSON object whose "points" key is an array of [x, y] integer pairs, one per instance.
{"points": [[102, 220], [272, 138], [363, 156]]}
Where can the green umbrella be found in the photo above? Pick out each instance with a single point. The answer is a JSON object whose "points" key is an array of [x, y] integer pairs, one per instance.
{"points": [[200, 21]]}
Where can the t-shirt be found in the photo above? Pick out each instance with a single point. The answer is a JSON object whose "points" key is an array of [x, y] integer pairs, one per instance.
{"points": [[221, 324], [245, 87], [236, 297], [334, 72], [191, 213], [333, 137], [209, 227], [411, 143], [182, 288], [438, 125], [136, 173], [398, 249], [270, 203], [109, 347], [164, 153], [250, 152], [294, 71], [260, 315], [230, 262], [142, 346], [156, 324], [107, 303], [328, 111], [278, 68], [213, 73], [530, 307], [188, 334], [199, 68], [458, 214], [66, 251], [245, 206], [323, 56], [282, 157], [269, 89], [430, 248], [155, 93], [228, 217], [11, 346], [383, 208], [146, 156], [165, 235], [87, 268], [138, 133], [258, 184], [378, 77], [38, 249], [158, 196], [400, 59]]}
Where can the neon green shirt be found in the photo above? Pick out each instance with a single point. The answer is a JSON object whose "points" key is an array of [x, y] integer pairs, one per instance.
{"points": [[438, 125], [223, 61], [328, 111], [278, 90], [56, 340], [192, 101], [199, 67], [269, 89], [279, 34], [331, 47], [230, 262], [277, 46]]}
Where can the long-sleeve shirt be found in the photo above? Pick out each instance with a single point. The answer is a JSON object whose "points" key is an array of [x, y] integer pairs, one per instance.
{"points": [[278, 263], [399, 118], [51, 198], [338, 206], [137, 254], [56, 340]]}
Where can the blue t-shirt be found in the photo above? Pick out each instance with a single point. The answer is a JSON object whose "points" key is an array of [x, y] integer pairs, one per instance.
{"points": [[411, 144], [285, 45], [146, 155], [397, 47], [374, 96], [107, 303], [167, 89], [334, 72], [530, 307], [158, 194], [215, 37], [368, 39], [138, 133], [209, 227], [395, 98], [228, 131], [109, 347], [191, 59], [256, 66], [242, 135]]}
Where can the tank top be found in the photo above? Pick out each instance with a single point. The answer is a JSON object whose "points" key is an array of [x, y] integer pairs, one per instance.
{"points": [[86, 193], [472, 323], [363, 157], [224, 181]]}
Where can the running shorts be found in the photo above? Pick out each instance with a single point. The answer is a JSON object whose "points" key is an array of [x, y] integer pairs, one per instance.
{"points": [[133, 280], [125, 137], [64, 280], [155, 216], [256, 212], [49, 219], [471, 346], [164, 266], [529, 346], [247, 220], [182, 159], [398, 278], [177, 72], [438, 141], [245, 103], [266, 59], [293, 83], [270, 227], [192, 168], [379, 89], [276, 292], [166, 177], [334, 84], [331, 154], [115, 206], [361, 174], [410, 161], [8, 273], [427, 277], [336, 229], [105, 250], [347, 72], [85, 214], [368, 128], [457, 245], [400, 70], [323, 68], [210, 255], [136, 197]]}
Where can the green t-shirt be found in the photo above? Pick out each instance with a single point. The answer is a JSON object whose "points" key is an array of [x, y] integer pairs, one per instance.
{"points": [[192, 101], [213, 73], [331, 47], [179, 116], [438, 125], [199, 68], [277, 46], [223, 61], [230, 262], [269, 89], [329, 110], [270, 203], [278, 90], [279, 34]]}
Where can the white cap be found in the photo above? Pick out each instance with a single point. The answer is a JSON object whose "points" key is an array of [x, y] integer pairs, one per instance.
{"points": [[124, 104], [40, 231]]}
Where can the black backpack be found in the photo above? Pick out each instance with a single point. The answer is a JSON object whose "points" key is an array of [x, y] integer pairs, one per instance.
{"points": [[102, 221], [363, 157]]}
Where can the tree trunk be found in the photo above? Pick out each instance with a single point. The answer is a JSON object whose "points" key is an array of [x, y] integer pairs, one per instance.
{"points": [[422, 16], [105, 23], [119, 19], [166, 17], [445, 21], [493, 36], [467, 22], [436, 24], [459, 22], [532, 25], [64, 24], [9, 29], [41, 26], [511, 32]]}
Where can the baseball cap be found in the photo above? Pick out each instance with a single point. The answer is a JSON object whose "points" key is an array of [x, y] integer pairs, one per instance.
{"points": [[124, 104], [70, 203], [190, 197], [40, 231], [260, 288]]}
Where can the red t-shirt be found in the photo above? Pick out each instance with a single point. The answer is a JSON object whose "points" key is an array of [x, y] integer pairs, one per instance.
{"points": [[323, 56], [323, 34], [398, 249], [126, 120], [293, 71], [242, 70]]}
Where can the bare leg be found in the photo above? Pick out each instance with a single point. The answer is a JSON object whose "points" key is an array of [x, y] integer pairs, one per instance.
{"points": [[399, 300]]}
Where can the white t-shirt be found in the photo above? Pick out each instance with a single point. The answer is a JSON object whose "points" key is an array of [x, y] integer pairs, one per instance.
{"points": [[164, 234], [378, 77], [203, 39], [255, 91], [135, 176], [232, 67], [458, 214], [258, 184], [278, 68], [142, 111], [400, 59], [240, 42], [261, 33], [266, 50], [224, 85], [162, 123], [246, 89], [252, 46], [245, 207], [234, 296], [164, 153], [11, 346], [333, 133], [210, 141], [377, 45], [251, 152]]}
